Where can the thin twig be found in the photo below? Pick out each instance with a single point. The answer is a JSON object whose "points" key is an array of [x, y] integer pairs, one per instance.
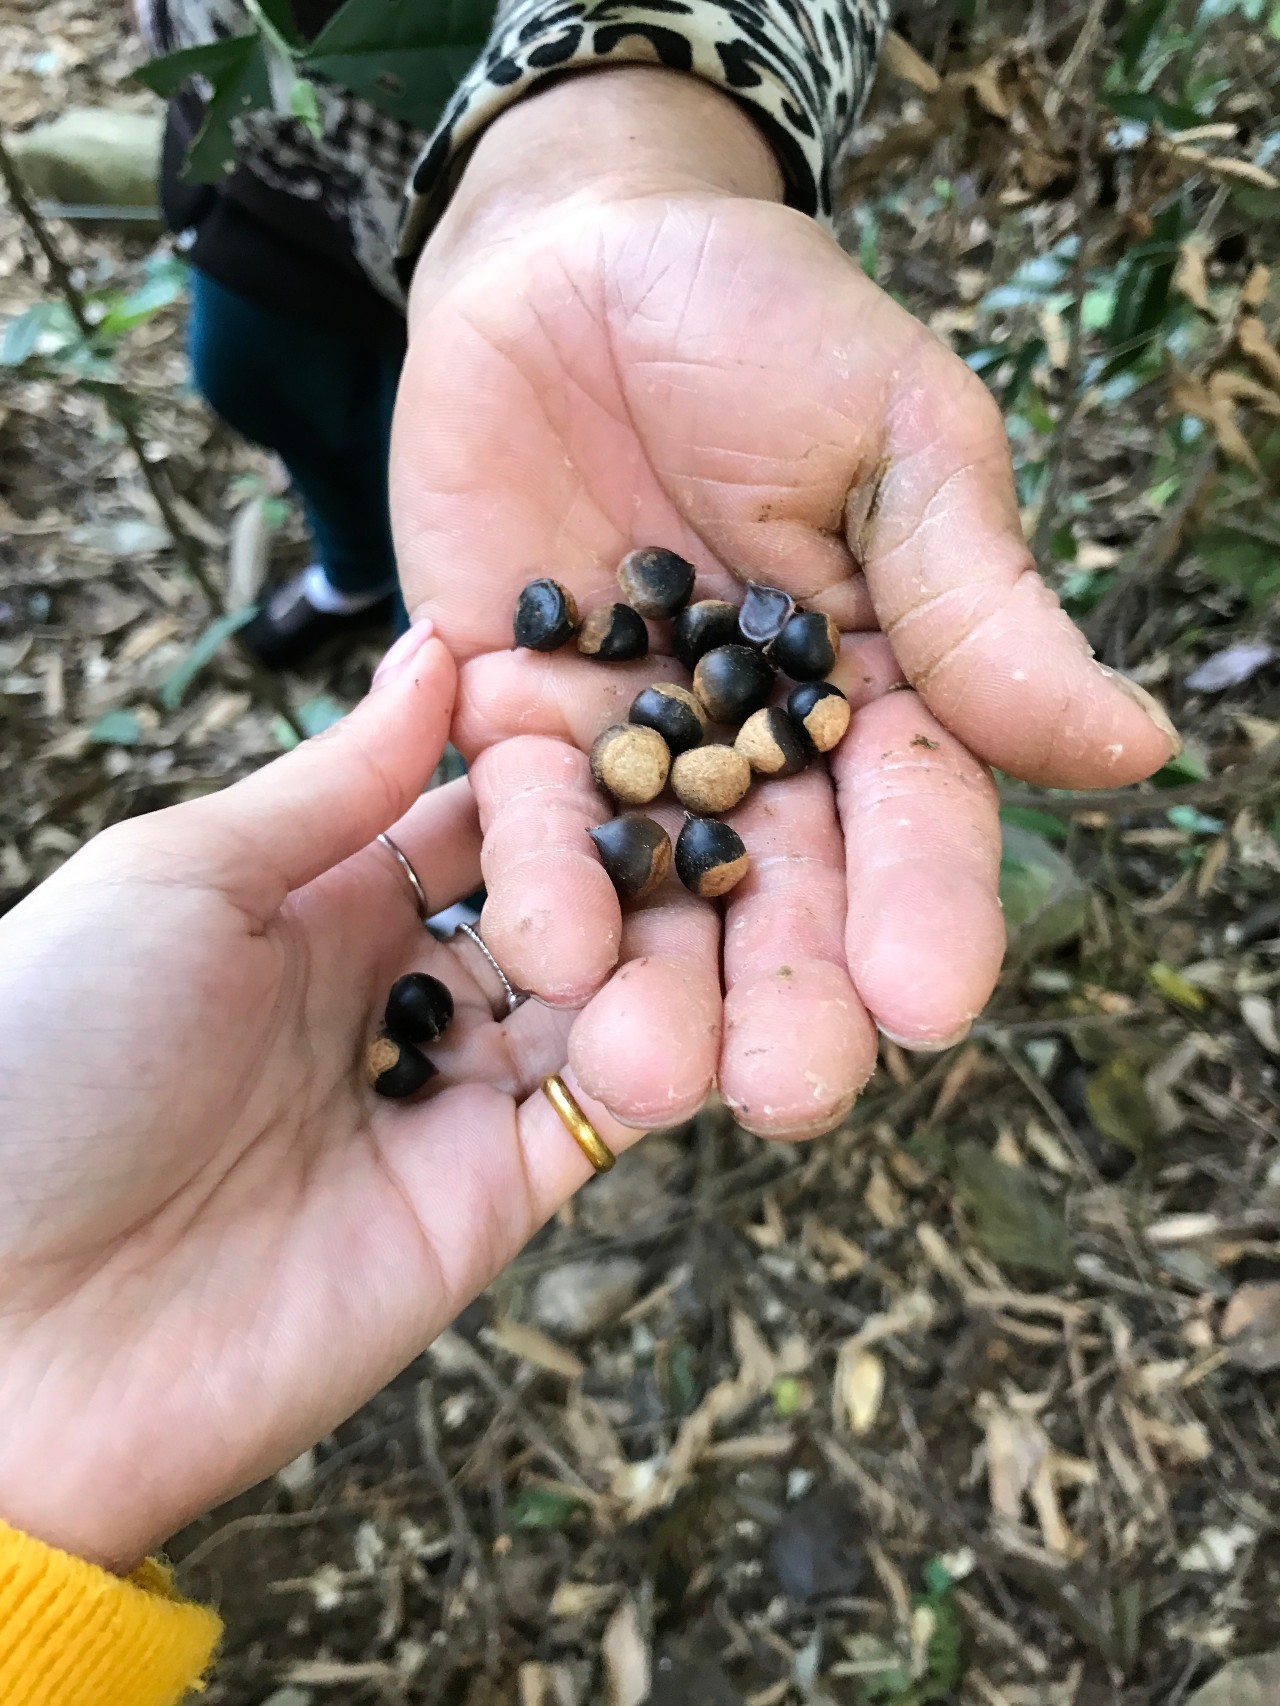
{"points": [[1257, 776], [188, 549], [1056, 461]]}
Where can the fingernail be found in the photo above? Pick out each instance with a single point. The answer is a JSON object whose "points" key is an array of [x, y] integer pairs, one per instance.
{"points": [[405, 649], [1149, 703]]}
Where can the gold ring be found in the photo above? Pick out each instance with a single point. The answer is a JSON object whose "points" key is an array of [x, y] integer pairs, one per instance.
{"points": [[576, 1123]]}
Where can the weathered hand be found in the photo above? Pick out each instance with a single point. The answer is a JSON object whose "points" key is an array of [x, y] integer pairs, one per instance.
{"points": [[215, 1241], [618, 339]]}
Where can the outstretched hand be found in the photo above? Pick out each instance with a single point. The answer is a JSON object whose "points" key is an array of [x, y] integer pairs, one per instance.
{"points": [[619, 339], [215, 1241]]}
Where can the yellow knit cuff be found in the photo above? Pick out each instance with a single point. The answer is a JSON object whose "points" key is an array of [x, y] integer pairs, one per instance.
{"points": [[72, 1633]]}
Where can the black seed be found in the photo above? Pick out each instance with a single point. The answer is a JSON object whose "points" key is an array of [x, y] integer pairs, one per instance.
{"points": [[631, 763], [615, 634], [635, 851], [673, 711], [732, 682], [419, 1008], [710, 778], [822, 711], [657, 582], [807, 648], [773, 744], [764, 612], [396, 1069], [546, 616], [709, 623], [710, 857]]}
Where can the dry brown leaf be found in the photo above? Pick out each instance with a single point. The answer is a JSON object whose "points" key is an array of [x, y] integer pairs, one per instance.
{"points": [[625, 1655], [859, 1387], [1253, 292], [1180, 1442], [985, 83], [1250, 1326], [883, 1199], [1260, 1017], [581, 1599], [1190, 277], [1221, 166], [1242, 388], [537, 1347], [1190, 397], [1022, 1464], [901, 60]]}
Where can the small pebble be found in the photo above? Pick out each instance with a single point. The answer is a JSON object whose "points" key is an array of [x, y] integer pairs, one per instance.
{"points": [[546, 616], [710, 778], [807, 648], [710, 857], [822, 711], [615, 634], [673, 711], [764, 613], [731, 682], [709, 623], [657, 582], [773, 744], [631, 763], [636, 853]]}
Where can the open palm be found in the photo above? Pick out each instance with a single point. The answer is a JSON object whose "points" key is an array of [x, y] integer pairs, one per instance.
{"points": [[215, 1241], [712, 374]]}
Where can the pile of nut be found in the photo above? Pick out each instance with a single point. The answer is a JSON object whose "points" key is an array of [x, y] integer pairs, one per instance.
{"points": [[736, 654]]}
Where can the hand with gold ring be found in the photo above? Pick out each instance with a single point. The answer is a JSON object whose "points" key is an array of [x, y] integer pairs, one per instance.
{"points": [[215, 1240]]}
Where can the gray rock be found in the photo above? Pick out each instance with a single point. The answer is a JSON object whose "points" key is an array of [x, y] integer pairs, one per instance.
{"points": [[579, 1298], [93, 156]]}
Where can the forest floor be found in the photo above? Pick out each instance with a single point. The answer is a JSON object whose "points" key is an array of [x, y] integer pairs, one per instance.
{"points": [[976, 1399]]}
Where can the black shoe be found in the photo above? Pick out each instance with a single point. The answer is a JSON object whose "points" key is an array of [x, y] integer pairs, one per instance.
{"points": [[288, 630]]}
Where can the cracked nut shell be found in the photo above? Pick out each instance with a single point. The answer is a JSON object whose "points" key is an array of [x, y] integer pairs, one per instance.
{"points": [[615, 634], [764, 613], [546, 616], [395, 1068], [631, 763], [635, 852], [772, 744], [709, 623], [710, 778], [673, 711], [731, 682], [807, 648], [822, 711], [657, 582], [710, 857], [419, 1008]]}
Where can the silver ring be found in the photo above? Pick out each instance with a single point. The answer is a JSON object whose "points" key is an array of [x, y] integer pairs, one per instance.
{"points": [[514, 997], [414, 880]]}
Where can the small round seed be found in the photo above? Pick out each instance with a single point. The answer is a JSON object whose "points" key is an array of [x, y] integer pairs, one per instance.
{"points": [[710, 778], [396, 1069], [546, 616], [764, 612], [772, 744], [807, 648], [673, 711], [732, 682], [631, 763], [657, 582], [710, 857], [419, 1008], [822, 711], [709, 623], [615, 634], [636, 853]]}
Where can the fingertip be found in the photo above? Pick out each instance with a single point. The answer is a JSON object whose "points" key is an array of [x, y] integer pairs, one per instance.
{"points": [[554, 925], [646, 1045]]}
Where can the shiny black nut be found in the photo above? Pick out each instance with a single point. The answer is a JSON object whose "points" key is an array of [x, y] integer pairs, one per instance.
{"points": [[673, 711], [731, 682], [636, 853], [396, 1069], [615, 634], [419, 1008], [546, 616], [822, 711], [657, 583], [709, 623], [764, 612], [710, 778], [773, 744], [710, 857], [807, 648], [631, 763]]}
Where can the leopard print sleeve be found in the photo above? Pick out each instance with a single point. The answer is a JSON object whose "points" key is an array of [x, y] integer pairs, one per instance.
{"points": [[802, 67]]}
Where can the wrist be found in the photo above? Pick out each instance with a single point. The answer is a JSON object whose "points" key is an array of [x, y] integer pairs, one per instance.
{"points": [[606, 135]]}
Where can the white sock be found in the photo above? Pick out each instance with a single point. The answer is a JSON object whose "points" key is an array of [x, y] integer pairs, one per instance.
{"points": [[321, 594]]}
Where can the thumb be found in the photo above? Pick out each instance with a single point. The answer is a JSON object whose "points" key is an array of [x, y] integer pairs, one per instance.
{"points": [[308, 811]]}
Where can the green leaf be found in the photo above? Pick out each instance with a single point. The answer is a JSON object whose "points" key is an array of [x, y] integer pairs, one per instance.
{"points": [[164, 286], [304, 105], [1143, 295], [241, 87], [1174, 987], [1044, 900], [117, 728], [1186, 767], [175, 684], [541, 1507], [320, 713], [405, 60], [1040, 823], [1013, 1220], [169, 73], [1116, 1098], [1192, 822], [1240, 560], [1141, 24], [24, 331]]}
